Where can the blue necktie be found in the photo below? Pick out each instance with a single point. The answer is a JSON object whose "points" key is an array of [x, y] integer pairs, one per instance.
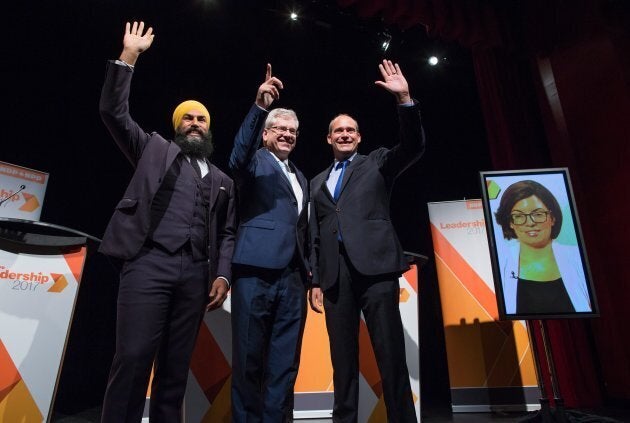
{"points": [[343, 166]]}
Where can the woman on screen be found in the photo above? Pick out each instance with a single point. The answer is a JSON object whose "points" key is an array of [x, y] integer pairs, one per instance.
{"points": [[539, 275]]}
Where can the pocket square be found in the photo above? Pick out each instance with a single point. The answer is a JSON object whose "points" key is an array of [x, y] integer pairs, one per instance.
{"points": [[223, 188]]}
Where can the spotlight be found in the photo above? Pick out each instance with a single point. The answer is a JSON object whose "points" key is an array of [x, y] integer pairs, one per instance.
{"points": [[433, 60], [293, 16], [384, 39]]}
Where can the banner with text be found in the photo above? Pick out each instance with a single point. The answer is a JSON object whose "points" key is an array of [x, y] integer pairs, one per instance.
{"points": [[37, 298], [490, 362], [21, 192]]}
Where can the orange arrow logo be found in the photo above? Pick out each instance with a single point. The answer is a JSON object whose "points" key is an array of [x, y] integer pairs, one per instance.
{"points": [[30, 202], [60, 283]]}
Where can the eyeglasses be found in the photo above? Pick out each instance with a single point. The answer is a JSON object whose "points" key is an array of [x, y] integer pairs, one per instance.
{"points": [[283, 129], [536, 217]]}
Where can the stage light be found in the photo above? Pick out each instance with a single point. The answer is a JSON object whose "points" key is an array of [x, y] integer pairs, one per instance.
{"points": [[293, 16], [384, 38], [433, 60]]}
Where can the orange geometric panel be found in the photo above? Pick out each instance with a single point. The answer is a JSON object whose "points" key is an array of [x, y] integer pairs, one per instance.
{"points": [[367, 361], [75, 261], [209, 365], [9, 374], [16, 402], [315, 372]]}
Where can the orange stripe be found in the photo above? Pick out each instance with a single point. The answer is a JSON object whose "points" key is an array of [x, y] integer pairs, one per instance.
{"points": [[465, 273], [367, 361], [411, 276], [9, 375], [22, 173], [75, 261]]}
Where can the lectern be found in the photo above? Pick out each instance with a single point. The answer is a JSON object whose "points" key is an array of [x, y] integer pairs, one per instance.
{"points": [[40, 273]]}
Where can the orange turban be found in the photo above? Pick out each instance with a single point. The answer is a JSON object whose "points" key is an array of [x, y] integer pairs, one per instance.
{"points": [[186, 107]]}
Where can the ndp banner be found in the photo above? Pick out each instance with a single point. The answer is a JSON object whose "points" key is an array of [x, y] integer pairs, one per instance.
{"points": [[37, 297], [21, 192], [209, 380], [490, 362]]}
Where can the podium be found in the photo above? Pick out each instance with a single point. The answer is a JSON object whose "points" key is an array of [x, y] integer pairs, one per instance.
{"points": [[41, 265]]}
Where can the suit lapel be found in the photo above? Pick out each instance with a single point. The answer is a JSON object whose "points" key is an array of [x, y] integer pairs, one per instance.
{"points": [[276, 165], [322, 185], [171, 153], [215, 183], [356, 162], [303, 184]]}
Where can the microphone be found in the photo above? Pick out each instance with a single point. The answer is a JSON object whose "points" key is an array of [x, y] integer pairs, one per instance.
{"points": [[12, 195], [514, 276]]}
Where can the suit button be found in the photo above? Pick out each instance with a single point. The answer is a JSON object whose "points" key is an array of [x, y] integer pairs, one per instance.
{"points": [[337, 209], [334, 231]]}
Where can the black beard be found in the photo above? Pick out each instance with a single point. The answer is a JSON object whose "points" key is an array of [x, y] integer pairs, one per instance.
{"points": [[195, 147]]}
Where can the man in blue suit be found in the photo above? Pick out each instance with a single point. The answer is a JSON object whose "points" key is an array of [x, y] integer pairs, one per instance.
{"points": [[269, 262]]}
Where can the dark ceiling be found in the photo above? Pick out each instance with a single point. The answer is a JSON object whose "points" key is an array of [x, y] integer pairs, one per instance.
{"points": [[216, 51]]}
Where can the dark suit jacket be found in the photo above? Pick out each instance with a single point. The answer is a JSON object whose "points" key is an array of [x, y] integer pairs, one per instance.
{"points": [[270, 229], [152, 156], [362, 210]]}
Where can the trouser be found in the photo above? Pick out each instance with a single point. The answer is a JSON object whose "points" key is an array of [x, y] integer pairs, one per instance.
{"points": [[377, 297], [268, 315], [161, 303]]}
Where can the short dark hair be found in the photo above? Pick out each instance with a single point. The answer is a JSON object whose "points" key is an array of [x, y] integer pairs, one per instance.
{"points": [[519, 191]]}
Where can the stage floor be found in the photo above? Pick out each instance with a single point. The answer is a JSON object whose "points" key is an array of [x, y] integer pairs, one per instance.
{"points": [[429, 415]]}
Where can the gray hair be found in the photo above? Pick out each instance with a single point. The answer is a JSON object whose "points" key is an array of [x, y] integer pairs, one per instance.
{"points": [[281, 113]]}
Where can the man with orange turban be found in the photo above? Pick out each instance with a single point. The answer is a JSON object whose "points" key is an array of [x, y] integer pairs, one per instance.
{"points": [[174, 228]]}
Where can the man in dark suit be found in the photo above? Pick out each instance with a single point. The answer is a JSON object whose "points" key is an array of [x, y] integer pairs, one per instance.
{"points": [[270, 264], [174, 227], [357, 258]]}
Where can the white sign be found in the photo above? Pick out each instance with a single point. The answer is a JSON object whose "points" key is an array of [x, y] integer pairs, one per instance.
{"points": [[37, 297], [21, 192]]}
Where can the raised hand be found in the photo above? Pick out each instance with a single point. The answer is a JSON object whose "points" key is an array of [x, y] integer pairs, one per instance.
{"points": [[394, 81], [268, 90], [135, 41]]}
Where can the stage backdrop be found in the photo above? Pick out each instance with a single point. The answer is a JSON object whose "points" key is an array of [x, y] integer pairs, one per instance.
{"points": [[209, 379], [490, 362]]}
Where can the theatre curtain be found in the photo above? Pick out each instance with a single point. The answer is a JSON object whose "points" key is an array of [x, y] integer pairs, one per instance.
{"points": [[554, 83]]}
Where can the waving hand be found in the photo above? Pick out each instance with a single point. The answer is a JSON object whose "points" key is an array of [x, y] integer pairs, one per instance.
{"points": [[135, 41]]}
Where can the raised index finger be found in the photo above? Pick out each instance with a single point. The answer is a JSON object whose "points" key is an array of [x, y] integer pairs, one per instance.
{"points": [[268, 73]]}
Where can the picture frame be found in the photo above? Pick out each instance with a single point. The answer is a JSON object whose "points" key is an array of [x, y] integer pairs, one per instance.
{"points": [[538, 256]]}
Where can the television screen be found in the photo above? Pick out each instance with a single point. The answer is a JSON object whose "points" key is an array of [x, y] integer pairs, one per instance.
{"points": [[538, 256]]}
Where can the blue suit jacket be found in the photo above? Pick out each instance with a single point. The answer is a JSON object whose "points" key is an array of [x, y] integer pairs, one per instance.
{"points": [[270, 228], [152, 156]]}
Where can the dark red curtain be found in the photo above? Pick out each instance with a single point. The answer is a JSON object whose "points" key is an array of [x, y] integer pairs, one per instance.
{"points": [[553, 82]]}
